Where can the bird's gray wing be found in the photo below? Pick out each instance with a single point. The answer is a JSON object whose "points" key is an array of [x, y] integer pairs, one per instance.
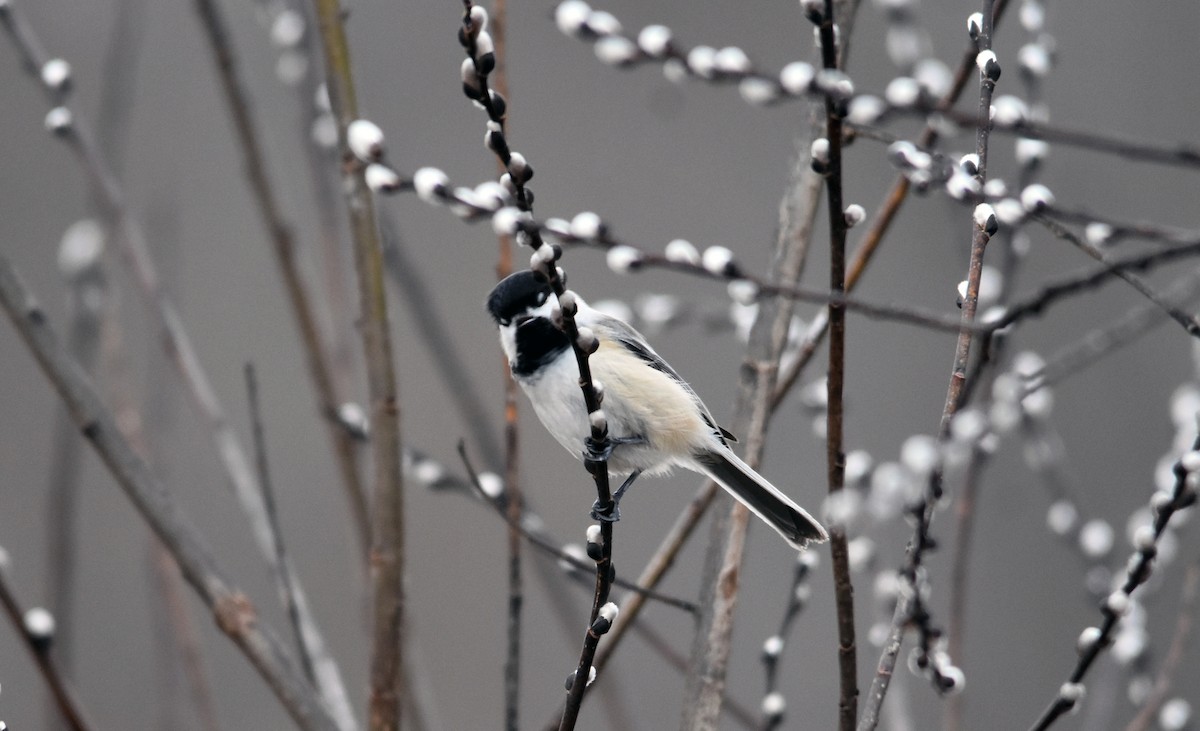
{"points": [[623, 333]]}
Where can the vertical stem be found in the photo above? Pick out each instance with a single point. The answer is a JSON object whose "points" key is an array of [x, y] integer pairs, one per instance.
{"points": [[387, 552], [834, 454], [512, 472]]}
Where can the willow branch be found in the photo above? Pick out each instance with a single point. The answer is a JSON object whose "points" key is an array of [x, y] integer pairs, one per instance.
{"points": [[234, 613]]}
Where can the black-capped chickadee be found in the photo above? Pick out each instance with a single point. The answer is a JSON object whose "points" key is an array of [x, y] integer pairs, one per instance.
{"points": [[654, 417]]}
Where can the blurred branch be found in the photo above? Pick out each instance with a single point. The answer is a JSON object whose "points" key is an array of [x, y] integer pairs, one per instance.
{"points": [[284, 247], [1190, 323], [268, 496], [73, 129], [37, 637], [388, 549], [1175, 654], [234, 613], [1094, 640]]}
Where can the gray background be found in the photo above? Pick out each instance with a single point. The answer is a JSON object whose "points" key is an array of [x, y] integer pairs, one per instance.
{"points": [[659, 162]]}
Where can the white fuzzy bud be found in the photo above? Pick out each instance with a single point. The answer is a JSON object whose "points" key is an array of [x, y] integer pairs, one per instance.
{"points": [[854, 215], [603, 23], [1034, 60], [934, 77], [1087, 639], [1144, 538], [381, 178], [1036, 197], [969, 163], [593, 534], [1098, 233], [920, 454], [365, 140], [988, 65], [38, 624], [681, 251], [1008, 110], [430, 184], [507, 221], [702, 60], [1096, 538], [591, 675], [1118, 603], [352, 417], [961, 186], [586, 225], [820, 150], [570, 16], [985, 218], [484, 45], [716, 259], [774, 705], [758, 91], [835, 83], [902, 92], [655, 40], [491, 484], [865, 109], [324, 131], [1175, 715], [622, 259], [81, 247], [1190, 461], [428, 471], [797, 77], [56, 74], [59, 120], [995, 188], [615, 50], [479, 17], [742, 291], [773, 646], [610, 611], [586, 340], [732, 60], [974, 25], [1009, 211], [1072, 692], [288, 28], [1030, 151]]}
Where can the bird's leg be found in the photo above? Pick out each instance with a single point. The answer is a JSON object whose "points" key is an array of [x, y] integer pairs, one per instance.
{"points": [[593, 451], [611, 513]]}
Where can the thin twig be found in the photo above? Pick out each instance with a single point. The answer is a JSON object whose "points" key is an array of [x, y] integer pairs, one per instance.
{"points": [[87, 300], [77, 134], [388, 552], [1176, 652], [921, 541], [38, 643], [835, 457], [283, 245], [234, 613], [881, 222], [550, 548], [1190, 323], [411, 285], [1163, 506], [1100, 342], [512, 455], [268, 495]]}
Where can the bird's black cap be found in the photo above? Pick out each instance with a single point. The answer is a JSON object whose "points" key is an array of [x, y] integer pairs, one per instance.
{"points": [[516, 294]]}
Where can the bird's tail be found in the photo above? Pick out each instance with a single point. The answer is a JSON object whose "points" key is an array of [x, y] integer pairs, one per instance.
{"points": [[762, 498]]}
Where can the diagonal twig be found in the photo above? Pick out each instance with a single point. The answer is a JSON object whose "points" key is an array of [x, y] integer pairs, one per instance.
{"points": [[234, 613]]}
